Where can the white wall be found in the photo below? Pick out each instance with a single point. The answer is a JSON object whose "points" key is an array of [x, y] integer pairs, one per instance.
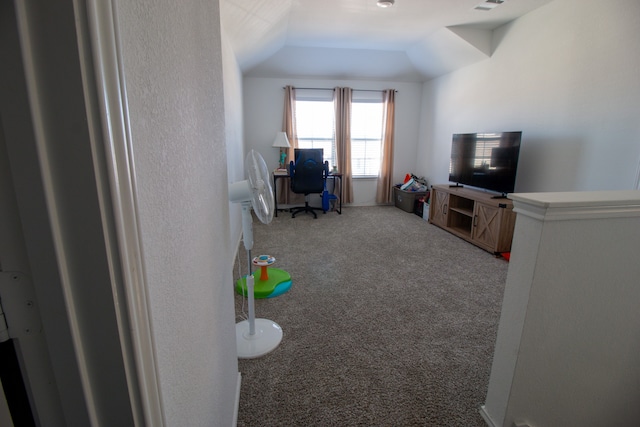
{"points": [[567, 348], [567, 76], [173, 67], [263, 109], [234, 134]]}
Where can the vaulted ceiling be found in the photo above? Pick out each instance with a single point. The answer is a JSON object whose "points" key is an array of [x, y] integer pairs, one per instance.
{"points": [[414, 40]]}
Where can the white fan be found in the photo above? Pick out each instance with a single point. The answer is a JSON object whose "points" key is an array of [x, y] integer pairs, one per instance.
{"points": [[255, 337]]}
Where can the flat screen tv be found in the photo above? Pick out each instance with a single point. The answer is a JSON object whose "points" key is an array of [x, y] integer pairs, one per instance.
{"points": [[485, 160]]}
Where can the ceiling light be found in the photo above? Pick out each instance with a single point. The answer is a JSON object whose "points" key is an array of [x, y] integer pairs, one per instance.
{"points": [[386, 3], [488, 4]]}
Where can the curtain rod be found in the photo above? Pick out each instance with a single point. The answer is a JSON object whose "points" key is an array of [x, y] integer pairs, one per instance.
{"points": [[331, 88]]}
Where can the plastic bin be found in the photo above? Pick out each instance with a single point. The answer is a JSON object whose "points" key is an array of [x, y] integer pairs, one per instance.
{"points": [[406, 200]]}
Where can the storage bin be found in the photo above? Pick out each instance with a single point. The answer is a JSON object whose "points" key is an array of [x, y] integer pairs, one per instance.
{"points": [[405, 200]]}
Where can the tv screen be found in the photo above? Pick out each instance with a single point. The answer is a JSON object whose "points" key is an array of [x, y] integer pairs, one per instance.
{"points": [[485, 160]]}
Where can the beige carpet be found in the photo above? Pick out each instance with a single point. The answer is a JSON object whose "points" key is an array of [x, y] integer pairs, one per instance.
{"points": [[390, 321]]}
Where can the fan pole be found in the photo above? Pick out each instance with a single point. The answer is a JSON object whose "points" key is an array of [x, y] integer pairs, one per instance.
{"points": [[251, 299], [247, 236], [254, 337]]}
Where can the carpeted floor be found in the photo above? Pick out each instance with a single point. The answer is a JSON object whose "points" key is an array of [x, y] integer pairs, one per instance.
{"points": [[390, 321]]}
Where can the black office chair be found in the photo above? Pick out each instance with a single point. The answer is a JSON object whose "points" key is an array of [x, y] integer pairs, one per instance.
{"points": [[308, 175]]}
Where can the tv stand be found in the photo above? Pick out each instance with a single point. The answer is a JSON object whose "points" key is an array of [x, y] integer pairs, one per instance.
{"points": [[474, 216]]}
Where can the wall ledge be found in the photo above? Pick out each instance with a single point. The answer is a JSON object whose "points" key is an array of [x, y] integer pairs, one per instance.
{"points": [[578, 205]]}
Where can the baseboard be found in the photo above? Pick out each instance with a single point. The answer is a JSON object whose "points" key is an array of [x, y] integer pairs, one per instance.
{"points": [[237, 402], [486, 417]]}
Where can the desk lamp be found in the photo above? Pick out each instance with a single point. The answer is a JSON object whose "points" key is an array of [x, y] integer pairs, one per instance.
{"points": [[281, 141]]}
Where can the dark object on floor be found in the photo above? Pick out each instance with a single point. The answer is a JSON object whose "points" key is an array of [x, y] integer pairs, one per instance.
{"points": [[308, 175], [405, 200]]}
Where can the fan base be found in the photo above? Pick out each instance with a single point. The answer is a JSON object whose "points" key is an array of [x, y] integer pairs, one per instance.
{"points": [[267, 337]]}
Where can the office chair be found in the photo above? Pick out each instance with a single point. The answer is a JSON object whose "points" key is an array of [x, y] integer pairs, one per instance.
{"points": [[308, 175]]}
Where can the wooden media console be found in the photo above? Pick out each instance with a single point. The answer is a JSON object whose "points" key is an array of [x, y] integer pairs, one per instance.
{"points": [[473, 215]]}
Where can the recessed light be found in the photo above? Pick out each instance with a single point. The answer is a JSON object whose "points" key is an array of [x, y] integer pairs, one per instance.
{"points": [[488, 5], [386, 3]]}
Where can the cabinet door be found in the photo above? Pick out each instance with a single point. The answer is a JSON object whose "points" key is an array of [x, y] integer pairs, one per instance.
{"points": [[439, 206], [486, 225]]}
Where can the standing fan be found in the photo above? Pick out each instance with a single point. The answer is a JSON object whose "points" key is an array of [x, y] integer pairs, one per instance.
{"points": [[255, 337]]}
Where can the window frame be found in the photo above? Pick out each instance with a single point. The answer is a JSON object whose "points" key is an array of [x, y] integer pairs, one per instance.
{"points": [[358, 97], [367, 97], [304, 141]]}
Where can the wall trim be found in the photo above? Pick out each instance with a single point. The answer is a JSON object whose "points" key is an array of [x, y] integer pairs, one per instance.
{"points": [[138, 341], [237, 402], [486, 417], [574, 205]]}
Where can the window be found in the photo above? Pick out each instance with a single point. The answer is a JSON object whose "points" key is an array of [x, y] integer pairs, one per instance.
{"points": [[485, 145], [315, 122], [315, 127], [366, 134]]}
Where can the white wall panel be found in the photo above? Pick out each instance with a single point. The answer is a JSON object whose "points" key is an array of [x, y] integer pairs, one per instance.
{"points": [[566, 75], [173, 64]]}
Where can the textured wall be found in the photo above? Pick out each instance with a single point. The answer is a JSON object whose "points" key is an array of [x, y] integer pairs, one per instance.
{"points": [[233, 131], [173, 70], [566, 75]]}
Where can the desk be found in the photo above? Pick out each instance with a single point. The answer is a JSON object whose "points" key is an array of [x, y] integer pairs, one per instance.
{"points": [[337, 179]]}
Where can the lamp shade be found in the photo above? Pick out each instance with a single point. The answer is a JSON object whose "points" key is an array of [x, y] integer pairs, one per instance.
{"points": [[281, 140]]}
